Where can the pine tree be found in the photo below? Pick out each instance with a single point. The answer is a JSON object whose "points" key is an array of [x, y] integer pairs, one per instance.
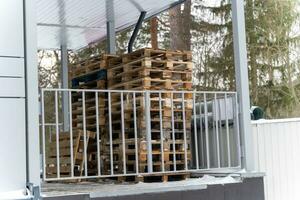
{"points": [[272, 68]]}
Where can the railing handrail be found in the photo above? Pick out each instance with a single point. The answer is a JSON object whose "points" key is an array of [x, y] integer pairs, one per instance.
{"points": [[271, 121], [138, 91]]}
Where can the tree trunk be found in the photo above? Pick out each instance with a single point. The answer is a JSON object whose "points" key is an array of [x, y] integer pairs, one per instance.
{"points": [[180, 35], [153, 32], [175, 26], [186, 25]]}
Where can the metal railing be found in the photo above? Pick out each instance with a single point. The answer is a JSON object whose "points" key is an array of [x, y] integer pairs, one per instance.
{"points": [[132, 133], [50, 129]]}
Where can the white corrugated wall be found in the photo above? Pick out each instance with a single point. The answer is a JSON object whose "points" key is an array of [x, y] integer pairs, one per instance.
{"points": [[277, 153]]}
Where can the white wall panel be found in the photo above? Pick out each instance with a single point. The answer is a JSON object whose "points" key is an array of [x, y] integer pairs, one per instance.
{"points": [[12, 93], [11, 67], [12, 87], [11, 23], [277, 153], [12, 148]]}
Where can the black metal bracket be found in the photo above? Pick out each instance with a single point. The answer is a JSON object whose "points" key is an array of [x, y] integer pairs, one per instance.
{"points": [[136, 30]]}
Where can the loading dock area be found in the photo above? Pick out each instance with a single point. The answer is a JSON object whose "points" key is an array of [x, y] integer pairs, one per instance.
{"points": [[62, 24]]}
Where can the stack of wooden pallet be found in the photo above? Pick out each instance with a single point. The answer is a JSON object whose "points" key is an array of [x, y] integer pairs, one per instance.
{"points": [[64, 148], [149, 69], [90, 74], [170, 116]]}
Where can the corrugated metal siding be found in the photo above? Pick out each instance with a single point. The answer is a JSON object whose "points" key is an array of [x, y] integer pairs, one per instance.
{"points": [[277, 153]]}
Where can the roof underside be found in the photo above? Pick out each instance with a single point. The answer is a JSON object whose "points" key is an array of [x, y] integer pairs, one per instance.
{"points": [[78, 23]]}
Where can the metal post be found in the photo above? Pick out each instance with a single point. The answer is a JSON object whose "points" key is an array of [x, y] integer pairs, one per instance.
{"points": [[32, 104], [44, 135], [242, 83], [110, 27], [148, 131], [65, 85]]}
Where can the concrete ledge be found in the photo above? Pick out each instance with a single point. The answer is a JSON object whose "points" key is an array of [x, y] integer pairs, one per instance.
{"points": [[69, 197], [250, 189], [246, 187]]}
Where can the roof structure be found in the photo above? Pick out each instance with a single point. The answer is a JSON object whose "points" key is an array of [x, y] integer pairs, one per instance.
{"points": [[78, 23]]}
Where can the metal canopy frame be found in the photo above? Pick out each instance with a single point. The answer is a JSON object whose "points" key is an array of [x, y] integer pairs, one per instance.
{"points": [[49, 21]]}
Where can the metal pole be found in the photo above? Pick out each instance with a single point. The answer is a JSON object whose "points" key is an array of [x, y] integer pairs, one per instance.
{"points": [[44, 135], [110, 27], [57, 136], [110, 136], [206, 132], [65, 85], [242, 83], [148, 131], [71, 135]]}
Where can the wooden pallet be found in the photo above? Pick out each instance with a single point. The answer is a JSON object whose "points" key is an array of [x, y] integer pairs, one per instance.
{"points": [[151, 178], [91, 65], [142, 166], [149, 69], [152, 53], [117, 78], [169, 148], [153, 84], [149, 63], [90, 106], [65, 154], [93, 84], [166, 100]]}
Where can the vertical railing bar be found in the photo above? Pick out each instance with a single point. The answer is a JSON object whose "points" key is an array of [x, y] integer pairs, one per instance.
{"points": [[50, 135], [57, 136], [220, 126], [123, 133], [148, 131], [110, 135], [213, 133], [97, 133], [173, 132], [71, 134], [84, 134], [201, 132], [184, 133], [227, 130], [217, 129], [135, 135], [161, 135], [238, 129], [206, 131], [195, 130], [44, 134]]}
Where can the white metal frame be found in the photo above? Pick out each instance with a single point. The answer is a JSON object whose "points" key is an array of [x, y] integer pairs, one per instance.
{"points": [[210, 115]]}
